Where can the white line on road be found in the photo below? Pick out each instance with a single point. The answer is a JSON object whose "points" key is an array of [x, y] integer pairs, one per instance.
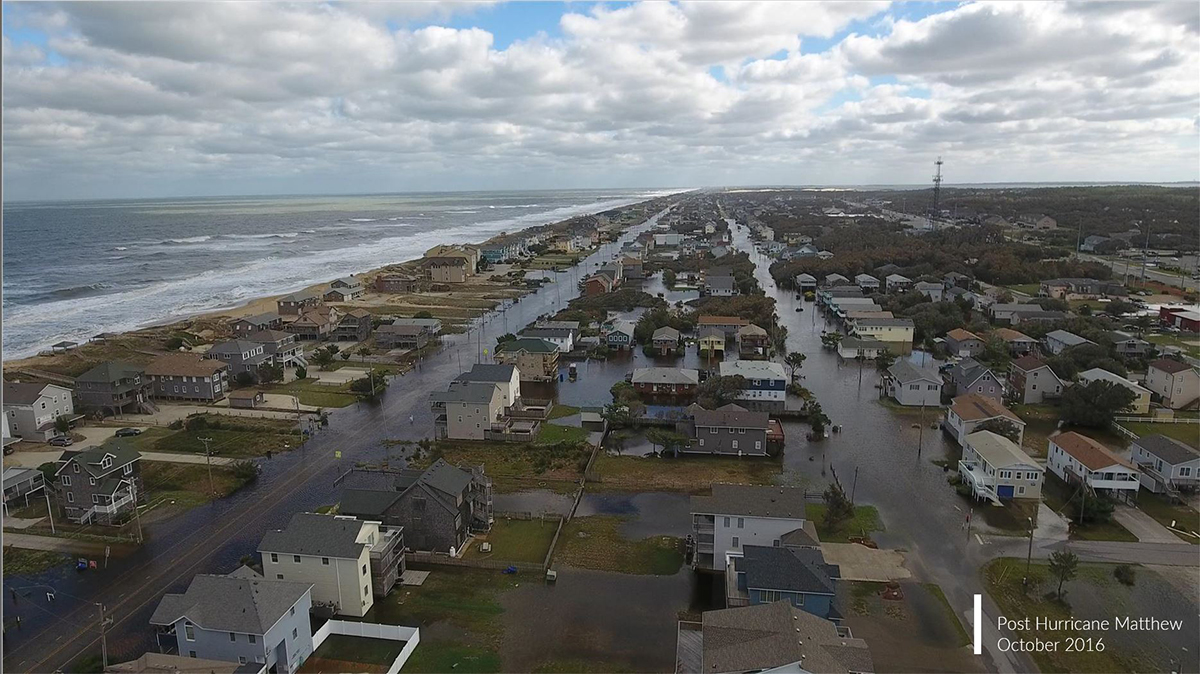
{"points": [[977, 641]]}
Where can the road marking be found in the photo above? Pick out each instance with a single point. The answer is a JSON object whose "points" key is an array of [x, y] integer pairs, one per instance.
{"points": [[977, 640], [979, 539]]}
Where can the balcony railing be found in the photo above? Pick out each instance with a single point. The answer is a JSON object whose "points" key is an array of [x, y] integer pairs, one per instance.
{"points": [[115, 506]]}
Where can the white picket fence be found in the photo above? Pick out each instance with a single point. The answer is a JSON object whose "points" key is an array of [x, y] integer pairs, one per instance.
{"points": [[411, 636]]}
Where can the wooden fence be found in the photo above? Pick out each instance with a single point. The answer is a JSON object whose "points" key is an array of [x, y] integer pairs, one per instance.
{"points": [[443, 559]]}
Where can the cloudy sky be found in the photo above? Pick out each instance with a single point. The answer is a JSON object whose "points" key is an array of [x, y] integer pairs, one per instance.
{"points": [[108, 99]]}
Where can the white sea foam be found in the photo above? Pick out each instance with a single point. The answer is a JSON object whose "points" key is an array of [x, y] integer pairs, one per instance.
{"points": [[190, 239]]}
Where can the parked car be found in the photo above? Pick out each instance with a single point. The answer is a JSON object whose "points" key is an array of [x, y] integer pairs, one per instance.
{"points": [[128, 432], [61, 441], [9, 449]]}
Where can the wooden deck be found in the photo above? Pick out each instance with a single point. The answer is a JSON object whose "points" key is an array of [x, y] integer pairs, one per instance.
{"points": [[689, 648]]}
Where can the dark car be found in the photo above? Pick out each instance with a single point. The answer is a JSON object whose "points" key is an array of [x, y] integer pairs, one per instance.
{"points": [[128, 432], [61, 441]]}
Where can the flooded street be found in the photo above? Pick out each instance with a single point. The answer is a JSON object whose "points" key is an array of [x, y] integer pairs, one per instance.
{"points": [[648, 513]]}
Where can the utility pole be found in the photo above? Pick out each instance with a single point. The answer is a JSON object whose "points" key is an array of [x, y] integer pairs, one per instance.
{"points": [[137, 515], [50, 509], [854, 484], [1145, 254], [103, 637], [1078, 238], [208, 460], [1029, 557], [921, 431]]}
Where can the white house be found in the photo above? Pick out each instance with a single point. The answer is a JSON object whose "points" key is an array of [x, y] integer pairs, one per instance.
{"points": [[1175, 382], [997, 469], [1141, 402], [737, 515], [563, 338], [32, 408], [1057, 341], [912, 386], [1074, 457], [331, 552], [508, 377], [970, 411], [1166, 464], [766, 382]]}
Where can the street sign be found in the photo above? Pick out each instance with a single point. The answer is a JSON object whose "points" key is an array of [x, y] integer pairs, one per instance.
{"points": [[337, 453]]}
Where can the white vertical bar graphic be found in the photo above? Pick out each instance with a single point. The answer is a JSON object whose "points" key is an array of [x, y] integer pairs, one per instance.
{"points": [[978, 638]]}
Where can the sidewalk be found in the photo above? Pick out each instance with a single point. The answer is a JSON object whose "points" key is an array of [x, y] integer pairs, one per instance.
{"points": [[35, 459], [68, 545], [1146, 528]]}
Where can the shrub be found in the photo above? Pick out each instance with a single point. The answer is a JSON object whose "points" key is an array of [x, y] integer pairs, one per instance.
{"points": [[246, 471], [245, 379], [1125, 574], [301, 373], [173, 343]]}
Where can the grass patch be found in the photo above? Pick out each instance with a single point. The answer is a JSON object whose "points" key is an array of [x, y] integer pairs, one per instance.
{"points": [[437, 657], [1027, 288], [1056, 493], [517, 541], [552, 434], [687, 474], [514, 467], [560, 411], [936, 591], [581, 666], [596, 542], [359, 649], [1003, 578], [22, 562], [1188, 434], [1011, 518], [187, 484], [1189, 346], [227, 443], [463, 597], [310, 393], [1040, 422], [865, 520], [1165, 512]]}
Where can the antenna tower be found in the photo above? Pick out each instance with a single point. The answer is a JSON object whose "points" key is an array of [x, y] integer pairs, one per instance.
{"points": [[937, 188]]}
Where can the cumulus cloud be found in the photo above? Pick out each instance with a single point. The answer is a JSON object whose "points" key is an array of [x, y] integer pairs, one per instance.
{"points": [[148, 98]]}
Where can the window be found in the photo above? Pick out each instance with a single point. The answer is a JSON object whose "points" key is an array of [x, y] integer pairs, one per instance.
{"points": [[712, 430], [735, 444], [741, 522], [769, 595], [189, 632], [364, 569], [325, 561], [279, 576], [241, 659], [295, 633], [70, 497], [726, 521], [66, 480], [1185, 471], [741, 431], [252, 638], [776, 543], [701, 442], [76, 467], [232, 636], [366, 592], [191, 654], [758, 444], [274, 558], [1020, 490], [737, 542], [92, 481], [295, 559], [292, 611], [128, 469]]}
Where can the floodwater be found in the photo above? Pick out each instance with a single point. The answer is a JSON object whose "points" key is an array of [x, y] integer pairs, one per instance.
{"points": [[649, 513], [534, 501]]}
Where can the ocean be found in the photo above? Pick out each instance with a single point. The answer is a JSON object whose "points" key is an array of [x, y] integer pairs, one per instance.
{"points": [[75, 269]]}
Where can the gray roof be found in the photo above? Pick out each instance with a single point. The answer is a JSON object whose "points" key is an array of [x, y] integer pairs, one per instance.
{"points": [[13, 475], [530, 345], [370, 492], [314, 534], [904, 372], [301, 296], [1169, 450], [730, 416], [968, 370], [665, 332], [885, 322], [90, 457], [666, 375], [485, 372], [111, 372], [720, 282], [543, 333], [787, 569], [22, 393], [710, 331], [753, 501], [767, 636], [474, 392], [235, 346], [1068, 338], [260, 319], [231, 603]]}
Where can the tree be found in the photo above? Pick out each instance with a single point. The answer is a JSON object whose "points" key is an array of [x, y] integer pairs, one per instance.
{"points": [[831, 339], [838, 508], [345, 355], [884, 360], [817, 418], [1095, 404], [1063, 565], [1091, 508], [333, 348], [301, 373], [244, 379], [173, 343], [270, 373], [506, 337], [323, 358], [1002, 427], [363, 352], [718, 391], [669, 277], [422, 314], [668, 439], [1119, 308], [995, 351], [794, 361], [371, 385], [62, 424]]}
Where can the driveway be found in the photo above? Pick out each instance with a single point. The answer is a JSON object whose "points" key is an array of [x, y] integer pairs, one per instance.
{"points": [[69, 545], [858, 562], [35, 459], [1146, 528]]}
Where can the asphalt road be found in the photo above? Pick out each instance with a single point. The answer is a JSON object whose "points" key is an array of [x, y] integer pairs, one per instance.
{"points": [[1133, 269]]}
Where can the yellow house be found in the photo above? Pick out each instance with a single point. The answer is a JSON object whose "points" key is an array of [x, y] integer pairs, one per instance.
{"points": [[896, 333], [712, 341]]}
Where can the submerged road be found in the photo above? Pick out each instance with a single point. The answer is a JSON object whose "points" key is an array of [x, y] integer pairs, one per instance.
{"points": [[213, 538]]}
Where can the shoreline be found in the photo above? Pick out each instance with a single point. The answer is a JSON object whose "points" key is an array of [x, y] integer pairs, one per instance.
{"points": [[264, 304]]}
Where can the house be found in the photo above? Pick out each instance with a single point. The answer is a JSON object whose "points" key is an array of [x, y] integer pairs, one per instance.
{"points": [[1035, 221], [255, 323], [954, 293], [1141, 400], [774, 637], [1014, 314], [506, 376], [896, 283], [956, 280], [446, 269], [1018, 343], [597, 284], [735, 515], [853, 348], [1031, 381], [19, 485], [438, 507], [1176, 384], [727, 431], [282, 348], [934, 291], [997, 469], [393, 336], [866, 282], [1183, 318], [354, 326], [431, 326], [241, 355], [971, 376], [970, 411], [99, 485], [1075, 458], [467, 410], [896, 333], [960, 342], [1129, 346], [835, 280], [711, 341], [536, 359], [344, 290], [619, 335], [768, 574], [114, 387], [468, 255], [728, 324], [1080, 288], [1166, 464], [665, 381], [247, 399], [667, 239], [30, 409], [315, 324], [766, 382], [396, 284], [1091, 243], [563, 338], [1057, 341], [187, 376], [806, 282], [753, 342], [241, 617], [720, 286], [665, 340], [632, 267], [348, 562], [298, 303], [912, 386]]}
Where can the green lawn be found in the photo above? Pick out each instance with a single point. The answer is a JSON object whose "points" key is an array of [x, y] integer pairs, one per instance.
{"points": [[317, 395], [560, 411], [517, 541], [435, 656], [227, 443], [186, 484], [693, 474], [865, 520], [1188, 434], [514, 466], [22, 562], [1040, 422], [551, 434], [1190, 346], [595, 542], [1027, 288], [359, 649], [1056, 493], [1165, 512]]}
